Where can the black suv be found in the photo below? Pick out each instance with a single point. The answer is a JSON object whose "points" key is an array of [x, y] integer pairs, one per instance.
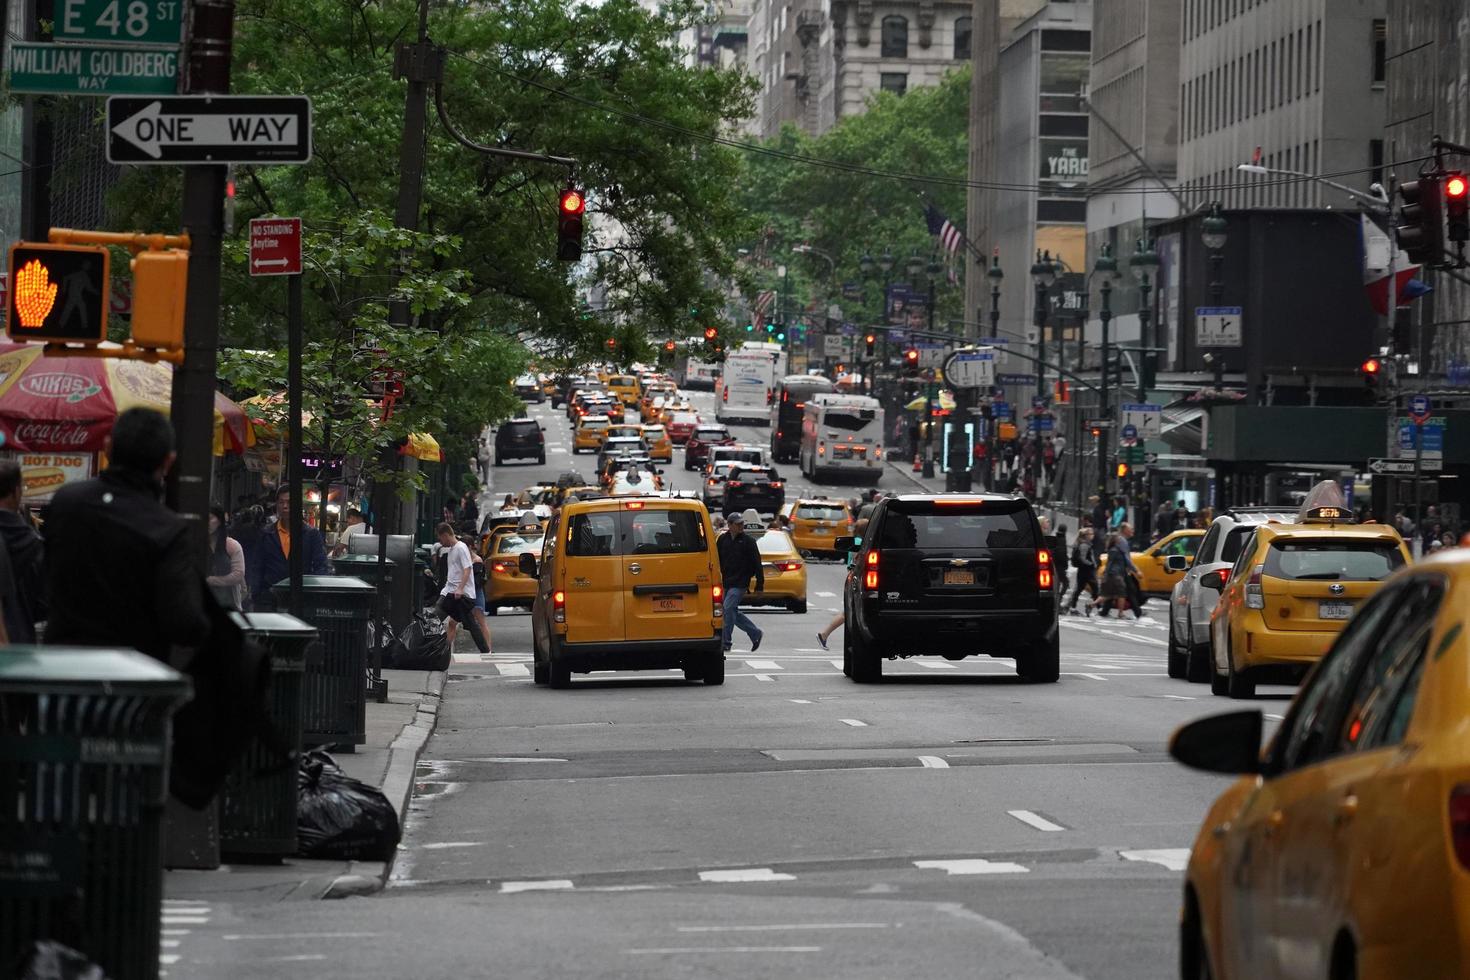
{"points": [[520, 439], [754, 486], [950, 575]]}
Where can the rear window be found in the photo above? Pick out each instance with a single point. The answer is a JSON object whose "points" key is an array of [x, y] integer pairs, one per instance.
{"points": [[591, 423], [520, 429], [849, 421], [752, 476], [663, 532], [1333, 560], [593, 535], [622, 381], [685, 418], [947, 527], [709, 433], [774, 543], [519, 544], [738, 455], [821, 512], [653, 431]]}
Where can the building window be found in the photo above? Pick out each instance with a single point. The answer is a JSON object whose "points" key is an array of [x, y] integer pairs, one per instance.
{"points": [[1380, 51], [962, 39], [1375, 161], [896, 82], [895, 37]]}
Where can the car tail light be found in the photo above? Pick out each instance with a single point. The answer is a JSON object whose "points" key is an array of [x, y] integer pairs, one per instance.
{"points": [[724, 394], [821, 449], [870, 578], [1460, 823], [776, 484], [791, 566], [780, 433], [559, 606], [500, 566], [717, 593], [734, 483], [768, 396], [1043, 569], [877, 452], [1254, 597]]}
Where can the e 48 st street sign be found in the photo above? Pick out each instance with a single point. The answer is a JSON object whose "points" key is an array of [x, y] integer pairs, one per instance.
{"points": [[267, 129], [158, 22]]}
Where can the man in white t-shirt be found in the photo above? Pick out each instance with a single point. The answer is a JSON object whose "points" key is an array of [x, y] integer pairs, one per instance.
{"points": [[457, 598]]}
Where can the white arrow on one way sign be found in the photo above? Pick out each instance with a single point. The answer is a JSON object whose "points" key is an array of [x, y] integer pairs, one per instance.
{"points": [[150, 129]]}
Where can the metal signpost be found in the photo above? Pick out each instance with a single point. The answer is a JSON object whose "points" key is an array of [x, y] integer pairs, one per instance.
{"points": [[213, 129]]}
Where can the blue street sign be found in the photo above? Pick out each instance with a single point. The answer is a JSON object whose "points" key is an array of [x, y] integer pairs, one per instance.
{"points": [[1038, 401], [1130, 432], [1433, 431], [1015, 379], [1043, 423], [1001, 410], [1420, 406]]}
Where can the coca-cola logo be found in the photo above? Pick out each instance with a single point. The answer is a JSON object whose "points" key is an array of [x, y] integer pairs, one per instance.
{"points": [[59, 384], [59, 435]]}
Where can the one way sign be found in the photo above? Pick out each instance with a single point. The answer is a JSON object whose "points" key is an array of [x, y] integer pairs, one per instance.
{"points": [[209, 129]]}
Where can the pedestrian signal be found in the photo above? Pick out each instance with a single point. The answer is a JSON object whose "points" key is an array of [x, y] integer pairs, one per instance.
{"points": [[1122, 470], [58, 293], [160, 284], [1371, 370]]}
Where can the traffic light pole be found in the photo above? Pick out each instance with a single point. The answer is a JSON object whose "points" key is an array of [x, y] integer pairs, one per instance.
{"points": [[191, 403]]}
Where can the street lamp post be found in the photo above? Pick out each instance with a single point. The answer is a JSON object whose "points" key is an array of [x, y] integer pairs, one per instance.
{"points": [[1145, 264], [1214, 231], [1105, 270], [1044, 274], [867, 264], [915, 267], [995, 275]]}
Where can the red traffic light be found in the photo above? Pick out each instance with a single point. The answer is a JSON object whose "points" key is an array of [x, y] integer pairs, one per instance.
{"points": [[1096, 432], [572, 201], [1455, 187], [669, 346], [710, 333], [870, 339], [911, 355], [612, 343], [1371, 367]]}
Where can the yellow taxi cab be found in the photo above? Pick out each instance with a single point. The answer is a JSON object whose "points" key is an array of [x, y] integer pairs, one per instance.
{"points": [[672, 405], [651, 404], [817, 523], [590, 433], [660, 446], [627, 583], [1343, 851], [625, 387], [1290, 593], [634, 481], [566, 495], [1155, 576], [505, 584], [781, 564], [625, 429]]}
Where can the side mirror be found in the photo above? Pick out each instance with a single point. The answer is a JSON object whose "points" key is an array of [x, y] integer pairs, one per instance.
{"points": [[1176, 563], [1213, 580], [527, 564], [846, 544], [1228, 743]]}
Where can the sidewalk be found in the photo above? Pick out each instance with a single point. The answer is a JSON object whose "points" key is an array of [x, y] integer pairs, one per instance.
{"points": [[396, 733]]}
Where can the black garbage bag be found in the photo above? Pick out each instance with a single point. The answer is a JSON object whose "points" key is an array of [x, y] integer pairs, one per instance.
{"points": [[338, 816], [423, 645], [48, 960]]}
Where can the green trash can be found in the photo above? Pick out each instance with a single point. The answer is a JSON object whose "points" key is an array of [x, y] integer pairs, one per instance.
{"points": [[365, 567], [84, 747], [258, 805], [334, 692]]}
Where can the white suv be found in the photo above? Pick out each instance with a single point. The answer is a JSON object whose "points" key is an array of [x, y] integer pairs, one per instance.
{"points": [[1197, 592]]}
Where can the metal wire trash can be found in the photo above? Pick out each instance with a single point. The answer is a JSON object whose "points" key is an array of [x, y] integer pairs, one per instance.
{"points": [[84, 746], [334, 691], [258, 805]]}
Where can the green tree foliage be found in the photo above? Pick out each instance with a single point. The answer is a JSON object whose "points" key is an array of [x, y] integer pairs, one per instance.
{"points": [[849, 213]]}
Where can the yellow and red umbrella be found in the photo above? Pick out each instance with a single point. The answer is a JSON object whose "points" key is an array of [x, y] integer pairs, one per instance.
{"points": [[68, 404]]}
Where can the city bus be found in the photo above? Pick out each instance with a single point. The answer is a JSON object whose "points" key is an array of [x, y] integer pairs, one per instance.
{"points": [[788, 404], [842, 436], [747, 383]]}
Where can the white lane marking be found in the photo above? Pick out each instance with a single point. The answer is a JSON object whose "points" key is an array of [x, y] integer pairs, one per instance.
{"points": [[809, 650], [836, 663], [1173, 858], [514, 758], [933, 762], [853, 722], [1096, 677], [451, 845], [176, 932], [671, 950], [1103, 666], [170, 943], [276, 936], [514, 670], [1036, 820], [297, 958], [936, 664], [1177, 697], [745, 874], [762, 665], [184, 920], [764, 677], [549, 885], [825, 595], [786, 927], [797, 701], [168, 959], [973, 866], [191, 910]]}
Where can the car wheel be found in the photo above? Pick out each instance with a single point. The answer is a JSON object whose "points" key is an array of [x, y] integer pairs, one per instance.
{"points": [[846, 652], [499, 460], [867, 662], [693, 674], [490, 609], [1197, 664], [541, 459], [714, 671], [1217, 679], [798, 607], [1238, 684], [540, 670], [1178, 656], [558, 673], [1043, 663]]}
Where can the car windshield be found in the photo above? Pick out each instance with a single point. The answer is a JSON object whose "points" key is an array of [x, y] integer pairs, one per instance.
{"points": [[821, 512], [930, 526], [1332, 560], [517, 544]]}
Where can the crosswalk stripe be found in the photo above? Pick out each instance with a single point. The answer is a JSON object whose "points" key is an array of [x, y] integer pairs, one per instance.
{"points": [[762, 665], [973, 866], [514, 670], [1173, 858], [936, 664]]}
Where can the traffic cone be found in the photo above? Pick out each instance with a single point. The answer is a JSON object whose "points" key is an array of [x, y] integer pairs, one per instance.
{"points": [[918, 467]]}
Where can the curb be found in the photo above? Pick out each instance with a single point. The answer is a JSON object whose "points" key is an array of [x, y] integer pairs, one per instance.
{"points": [[369, 877], [916, 481]]}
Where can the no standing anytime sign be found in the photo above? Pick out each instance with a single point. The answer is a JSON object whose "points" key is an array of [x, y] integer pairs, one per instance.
{"points": [[275, 246]]}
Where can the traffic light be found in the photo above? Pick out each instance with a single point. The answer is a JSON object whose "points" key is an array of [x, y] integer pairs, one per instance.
{"points": [[160, 283], [1061, 392], [871, 343], [1371, 370], [1421, 220], [669, 346], [781, 336], [911, 357], [750, 328], [1097, 432], [710, 333], [569, 211], [1122, 470], [612, 343], [1457, 208], [770, 329], [58, 293]]}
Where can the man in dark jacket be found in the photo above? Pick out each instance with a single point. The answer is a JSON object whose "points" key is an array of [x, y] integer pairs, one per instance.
{"points": [[740, 560], [275, 547], [118, 568], [26, 552]]}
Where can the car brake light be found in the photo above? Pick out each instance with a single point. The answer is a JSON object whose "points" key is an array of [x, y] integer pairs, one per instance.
{"points": [[1255, 598], [821, 449], [559, 606], [500, 566], [717, 593], [734, 483], [870, 580], [791, 566], [1460, 823], [1043, 569], [724, 394], [768, 396], [633, 505], [877, 452], [776, 484], [780, 433]]}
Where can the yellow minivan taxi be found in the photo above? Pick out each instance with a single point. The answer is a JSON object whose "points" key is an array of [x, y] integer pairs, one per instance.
{"points": [[591, 431], [1155, 578], [1290, 593], [505, 584], [628, 583], [625, 387], [1343, 850], [660, 446], [816, 524]]}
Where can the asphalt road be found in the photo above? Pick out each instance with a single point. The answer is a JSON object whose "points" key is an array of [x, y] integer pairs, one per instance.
{"points": [[949, 822]]}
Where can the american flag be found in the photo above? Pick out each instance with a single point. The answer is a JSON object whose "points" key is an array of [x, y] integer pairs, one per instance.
{"points": [[940, 227], [763, 302]]}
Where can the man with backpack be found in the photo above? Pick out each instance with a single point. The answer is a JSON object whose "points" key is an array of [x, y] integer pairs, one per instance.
{"points": [[1084, 559]]}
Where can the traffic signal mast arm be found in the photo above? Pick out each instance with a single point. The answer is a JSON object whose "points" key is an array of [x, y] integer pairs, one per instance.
{"points": [[134, 242], [500, 151]]}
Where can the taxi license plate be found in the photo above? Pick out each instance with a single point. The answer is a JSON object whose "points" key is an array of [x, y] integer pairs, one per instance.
{"points": [[821, 530], [1335, 610], [959, 576], [668, 603]]}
